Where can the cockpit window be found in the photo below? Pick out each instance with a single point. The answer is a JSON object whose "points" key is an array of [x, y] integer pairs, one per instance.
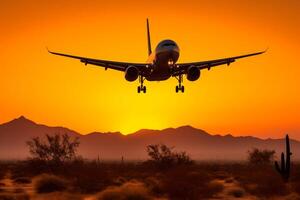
{"points": [[169, 44]]}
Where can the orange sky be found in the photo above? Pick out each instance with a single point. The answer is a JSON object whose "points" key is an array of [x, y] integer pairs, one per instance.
{"points": [[255, 96]]}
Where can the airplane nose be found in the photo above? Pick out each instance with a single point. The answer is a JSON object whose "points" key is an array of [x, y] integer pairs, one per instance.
{"points": [[174, 54]]}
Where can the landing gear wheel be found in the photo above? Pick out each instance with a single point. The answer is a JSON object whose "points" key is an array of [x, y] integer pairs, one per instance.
{"points": [[179, 87], [141, 88]]}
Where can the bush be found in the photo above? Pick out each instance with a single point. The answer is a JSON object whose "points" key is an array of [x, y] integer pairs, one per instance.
{"points": [[22, 180], [261, 157], [57, 148], [213, 188], [237, 192], [185, 182], [155, 185], [262, 181], [295, 177], [229, 180], [163, 156], [88, 177], [46, 183], [132, 190], [9, 196]]}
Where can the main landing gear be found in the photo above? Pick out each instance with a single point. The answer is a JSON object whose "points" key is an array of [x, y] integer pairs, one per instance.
{"points": [[141, 88], [179, 87]]}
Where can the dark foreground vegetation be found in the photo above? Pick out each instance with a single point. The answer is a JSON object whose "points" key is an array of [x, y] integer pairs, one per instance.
{"points": [[56, 172]]}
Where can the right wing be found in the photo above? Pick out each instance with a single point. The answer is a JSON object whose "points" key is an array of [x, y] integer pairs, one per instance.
{"points": [[107, 64], [182, 67]]}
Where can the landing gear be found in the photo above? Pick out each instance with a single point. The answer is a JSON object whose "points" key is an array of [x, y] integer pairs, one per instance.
{"points": [[179, 87], [141, 88]]}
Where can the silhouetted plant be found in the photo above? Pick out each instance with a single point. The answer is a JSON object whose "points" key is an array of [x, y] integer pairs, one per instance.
{"points": [[163, 156], [57, 148], [47, 183], [285, 168], [261, 157]]}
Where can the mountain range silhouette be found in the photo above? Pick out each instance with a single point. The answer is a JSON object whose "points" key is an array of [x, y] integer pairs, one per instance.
{"points": [[199, 144]]}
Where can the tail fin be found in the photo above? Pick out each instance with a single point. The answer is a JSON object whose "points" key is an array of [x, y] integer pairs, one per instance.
{"points": [[148, 37]]}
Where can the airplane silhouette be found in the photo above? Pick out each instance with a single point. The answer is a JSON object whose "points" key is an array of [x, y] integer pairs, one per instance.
{"points": [[161, 64]]}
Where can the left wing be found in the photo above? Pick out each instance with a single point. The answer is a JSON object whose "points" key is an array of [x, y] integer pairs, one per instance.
{"points": [[107, 64], [182, 67]]}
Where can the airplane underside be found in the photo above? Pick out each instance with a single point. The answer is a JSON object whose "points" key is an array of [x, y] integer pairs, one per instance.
{"points": [[161, 73]]}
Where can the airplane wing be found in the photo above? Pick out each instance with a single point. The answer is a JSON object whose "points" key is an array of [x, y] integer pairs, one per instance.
{"points": [[182, 67], [107, 64]]}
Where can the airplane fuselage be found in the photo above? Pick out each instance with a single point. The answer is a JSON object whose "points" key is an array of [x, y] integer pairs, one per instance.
{"points": [[162, 60]]}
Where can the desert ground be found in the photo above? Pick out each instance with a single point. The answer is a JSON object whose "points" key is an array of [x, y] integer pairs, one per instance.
{"points": [[55, 170], [142, 180]]}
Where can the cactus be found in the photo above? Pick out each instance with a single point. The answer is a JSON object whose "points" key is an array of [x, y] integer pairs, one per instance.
{"points": [[98, 161], [122, 160], [285, 164]]}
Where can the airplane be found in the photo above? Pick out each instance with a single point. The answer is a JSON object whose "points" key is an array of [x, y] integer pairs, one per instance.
{"points": [[161, 64]]}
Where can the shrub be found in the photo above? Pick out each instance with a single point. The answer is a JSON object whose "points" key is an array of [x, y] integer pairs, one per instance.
{"points": [[229, 180], [155, 185], [185, 183], [261, 157], [46, 183], [237, 192], [214, 187], [295, 177], [262, 181], [88, 177], [9, 196], [163, 156], [57, 148], [22, 180], [132, 190]]}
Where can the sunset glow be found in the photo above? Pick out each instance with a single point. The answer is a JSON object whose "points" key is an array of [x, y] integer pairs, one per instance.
{"points": [[256, 96]]}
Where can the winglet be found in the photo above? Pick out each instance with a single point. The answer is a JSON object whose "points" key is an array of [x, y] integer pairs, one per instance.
{"points": [[49, 50], [266, 50]]}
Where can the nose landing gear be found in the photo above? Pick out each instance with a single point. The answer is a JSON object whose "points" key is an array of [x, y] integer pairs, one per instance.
{"points": [[141, 88], [179, 87]]}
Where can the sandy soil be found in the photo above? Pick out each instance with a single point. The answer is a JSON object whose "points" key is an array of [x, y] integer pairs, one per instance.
{"points": [[20, 191]]}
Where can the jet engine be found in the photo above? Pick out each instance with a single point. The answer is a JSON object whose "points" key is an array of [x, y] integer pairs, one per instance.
{"points": [[131, 73], [193, 73]]}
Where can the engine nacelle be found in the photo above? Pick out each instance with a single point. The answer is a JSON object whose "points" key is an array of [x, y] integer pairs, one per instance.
{"points": [[131, 73], [193, 73]]}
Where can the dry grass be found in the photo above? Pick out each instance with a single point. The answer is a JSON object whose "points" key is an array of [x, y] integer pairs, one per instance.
{"points": [[9, 196], [180, 182], [22, 180], [214, 187], [188, 183], [262, 181], [58, 196], [229, 180], [132, 190]]}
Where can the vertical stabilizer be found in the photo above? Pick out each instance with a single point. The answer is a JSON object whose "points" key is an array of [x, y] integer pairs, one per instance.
{"points": [[148, 37]]}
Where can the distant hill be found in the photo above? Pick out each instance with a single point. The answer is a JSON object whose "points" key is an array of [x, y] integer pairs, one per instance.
{"points": [[199, 144]]}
